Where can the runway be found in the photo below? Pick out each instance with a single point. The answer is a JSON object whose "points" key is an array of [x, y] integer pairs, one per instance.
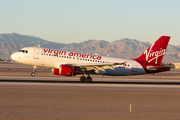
{"points": [[99, 84], [47, 97]]}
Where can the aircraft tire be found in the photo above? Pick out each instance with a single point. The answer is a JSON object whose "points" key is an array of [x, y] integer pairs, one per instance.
{"points": [[89, 80], [33, 74], [82, 79]]}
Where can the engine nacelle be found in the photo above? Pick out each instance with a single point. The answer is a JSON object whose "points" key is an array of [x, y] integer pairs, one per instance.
{"points": [[65, 70]]}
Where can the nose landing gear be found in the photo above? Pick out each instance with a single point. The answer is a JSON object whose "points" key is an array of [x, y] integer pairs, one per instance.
{"points": [[34, 69], [33, 74]]}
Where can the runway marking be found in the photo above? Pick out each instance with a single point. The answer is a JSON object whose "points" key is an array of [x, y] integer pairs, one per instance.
{"points": [[89, 85], [95, 79]]}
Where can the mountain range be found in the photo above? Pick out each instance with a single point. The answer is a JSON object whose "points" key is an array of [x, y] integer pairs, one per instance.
{"points": [[126, 48]]}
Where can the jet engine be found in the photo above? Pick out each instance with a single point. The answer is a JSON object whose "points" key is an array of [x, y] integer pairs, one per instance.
{"points": [[65, 70]]}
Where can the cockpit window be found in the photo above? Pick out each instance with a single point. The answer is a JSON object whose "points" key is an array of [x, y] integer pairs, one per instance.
{"points": [[23, 51]]}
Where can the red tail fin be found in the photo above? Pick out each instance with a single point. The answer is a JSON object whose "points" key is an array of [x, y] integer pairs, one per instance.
{"points": [[154, 54]]}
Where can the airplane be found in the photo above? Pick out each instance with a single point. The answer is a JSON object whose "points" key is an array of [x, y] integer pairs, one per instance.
{"points": [[71, 63]]}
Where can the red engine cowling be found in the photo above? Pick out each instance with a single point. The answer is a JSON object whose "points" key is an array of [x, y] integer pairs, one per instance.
{"points": [[65, 70]]}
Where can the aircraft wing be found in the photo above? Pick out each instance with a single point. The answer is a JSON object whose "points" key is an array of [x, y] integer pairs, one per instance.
{"points": [[97, 67], [89, 67]]}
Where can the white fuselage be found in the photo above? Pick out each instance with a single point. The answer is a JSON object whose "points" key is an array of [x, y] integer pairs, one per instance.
{"points": [[51, 58]]}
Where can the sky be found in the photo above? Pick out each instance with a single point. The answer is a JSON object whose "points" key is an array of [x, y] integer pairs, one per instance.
{"points": [[69, 21]]}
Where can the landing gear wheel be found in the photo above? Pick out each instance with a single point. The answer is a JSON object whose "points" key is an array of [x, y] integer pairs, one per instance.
{"points": [[82, 79], [89, 80], [33, 74]]}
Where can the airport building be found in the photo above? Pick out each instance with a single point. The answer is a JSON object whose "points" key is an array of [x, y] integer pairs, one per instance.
{"points": [[177, 65]]}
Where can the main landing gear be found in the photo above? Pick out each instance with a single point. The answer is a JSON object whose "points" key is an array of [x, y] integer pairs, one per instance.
{"points": [[84, 79], [34, 69]]}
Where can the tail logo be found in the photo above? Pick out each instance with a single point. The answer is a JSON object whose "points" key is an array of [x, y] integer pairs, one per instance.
{"points": [[151, 55]]}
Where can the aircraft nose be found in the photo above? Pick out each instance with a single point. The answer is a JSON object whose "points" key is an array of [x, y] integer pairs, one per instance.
{"points": [[14, 56]]}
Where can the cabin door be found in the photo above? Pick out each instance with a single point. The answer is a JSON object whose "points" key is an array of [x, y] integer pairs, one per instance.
{"points": [[36, 53]]}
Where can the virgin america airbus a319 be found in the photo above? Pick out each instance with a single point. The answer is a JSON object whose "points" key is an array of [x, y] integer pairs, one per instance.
{"points": [[71, 63]]}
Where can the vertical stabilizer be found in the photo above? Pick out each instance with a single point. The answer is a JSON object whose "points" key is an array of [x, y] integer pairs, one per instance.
{"points": [[154, 54]]}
